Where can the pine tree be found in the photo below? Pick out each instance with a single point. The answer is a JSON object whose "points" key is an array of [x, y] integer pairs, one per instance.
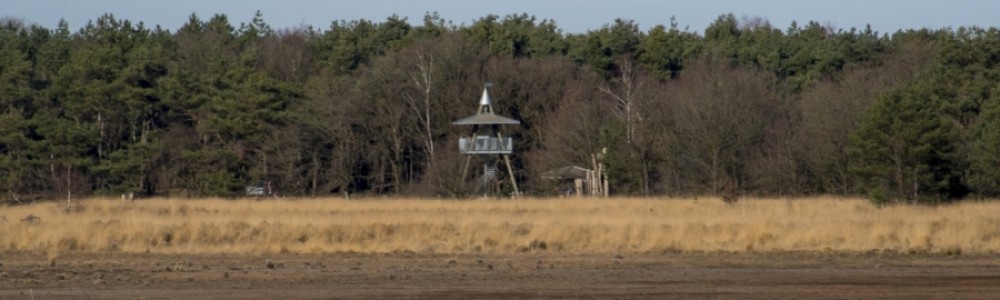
{"points": [[984, 156], [905, 149]]}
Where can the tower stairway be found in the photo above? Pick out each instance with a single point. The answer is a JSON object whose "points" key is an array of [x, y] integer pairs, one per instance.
{"points": [[489, 175]]}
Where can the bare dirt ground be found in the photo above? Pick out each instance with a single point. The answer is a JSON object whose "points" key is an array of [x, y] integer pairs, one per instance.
{"points": [[796, 275]]}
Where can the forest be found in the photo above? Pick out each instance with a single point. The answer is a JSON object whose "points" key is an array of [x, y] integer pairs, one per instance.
{"points": [[366, 107]]}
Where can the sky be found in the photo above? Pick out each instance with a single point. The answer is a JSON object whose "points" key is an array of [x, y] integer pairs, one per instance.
{"points": [[580, 16]]}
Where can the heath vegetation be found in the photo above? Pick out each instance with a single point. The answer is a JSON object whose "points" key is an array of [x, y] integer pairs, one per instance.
{"points": [[557, 226]]}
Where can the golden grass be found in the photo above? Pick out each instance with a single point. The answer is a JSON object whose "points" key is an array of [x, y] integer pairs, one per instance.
{"points": [[500, 226]]}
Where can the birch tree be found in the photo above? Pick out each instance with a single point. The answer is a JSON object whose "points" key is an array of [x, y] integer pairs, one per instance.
{"points": [[422, 80], [625, 95]]}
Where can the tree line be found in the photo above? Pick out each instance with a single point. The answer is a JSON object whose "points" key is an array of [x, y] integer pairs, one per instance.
{"points": [[365, 107]]}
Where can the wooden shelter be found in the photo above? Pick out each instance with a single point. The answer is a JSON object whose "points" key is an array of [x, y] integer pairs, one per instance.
{"points": [[579, 181]]}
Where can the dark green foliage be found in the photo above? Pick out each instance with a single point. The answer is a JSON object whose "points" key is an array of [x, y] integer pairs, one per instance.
{"points": [[665, 49], [116, 107], [906, 149], [517, 36], [984, 152], [622, 167], [604, 48]]}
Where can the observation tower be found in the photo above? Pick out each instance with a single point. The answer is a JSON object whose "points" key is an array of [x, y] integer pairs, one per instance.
{"points": [[487, 142]]}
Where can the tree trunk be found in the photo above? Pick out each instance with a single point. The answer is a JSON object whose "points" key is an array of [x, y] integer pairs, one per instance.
{"points": [[69, 184], [315, 173], [100, 141]]}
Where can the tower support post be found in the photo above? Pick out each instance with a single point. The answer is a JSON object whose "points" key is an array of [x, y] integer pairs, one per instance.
{"points": [[513, 180]]}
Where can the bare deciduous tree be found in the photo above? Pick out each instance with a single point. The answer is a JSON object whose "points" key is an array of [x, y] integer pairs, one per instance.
{"points": [[721, 114], [423, 80], [287, 55], [625, 98]]}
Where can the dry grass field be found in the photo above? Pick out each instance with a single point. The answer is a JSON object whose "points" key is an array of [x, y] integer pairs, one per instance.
{"points": [[494, 249], [568, 226]]}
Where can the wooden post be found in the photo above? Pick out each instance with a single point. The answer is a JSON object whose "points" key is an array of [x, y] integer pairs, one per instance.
{"points": [[595, 183], [465, 169], [605, 188], [510, 172], [588, 184], [579, 185], [590, 175], [506, 160]]}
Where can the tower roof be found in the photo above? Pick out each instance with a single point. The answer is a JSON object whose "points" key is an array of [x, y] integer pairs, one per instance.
{"points": [[485, 116], [486, 119]]}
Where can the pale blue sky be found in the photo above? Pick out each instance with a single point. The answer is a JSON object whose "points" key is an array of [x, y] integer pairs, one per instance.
{"points": [[571, 16]]}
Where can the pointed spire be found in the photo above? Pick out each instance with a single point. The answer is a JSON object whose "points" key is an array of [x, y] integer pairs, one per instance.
{"points": [[486, 100]]}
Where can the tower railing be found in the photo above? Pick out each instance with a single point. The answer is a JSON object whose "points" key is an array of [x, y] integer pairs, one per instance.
{"points": [[484, 144]]}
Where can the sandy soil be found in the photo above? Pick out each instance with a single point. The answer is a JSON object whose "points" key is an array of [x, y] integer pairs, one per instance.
{"points": [[807, 275]]}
